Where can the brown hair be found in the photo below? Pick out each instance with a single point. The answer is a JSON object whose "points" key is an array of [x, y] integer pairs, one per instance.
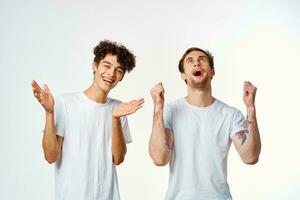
{"points": [[207, 53]]}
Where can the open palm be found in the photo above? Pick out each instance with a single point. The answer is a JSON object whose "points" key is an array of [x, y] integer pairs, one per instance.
{"points": [[43, 96], [127, 108]]}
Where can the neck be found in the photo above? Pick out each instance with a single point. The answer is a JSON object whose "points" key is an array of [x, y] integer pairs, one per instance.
{"points": [[200, 96], [95, 93]]}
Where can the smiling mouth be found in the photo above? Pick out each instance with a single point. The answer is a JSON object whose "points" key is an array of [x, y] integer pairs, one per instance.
{"points": [[108, 80]]}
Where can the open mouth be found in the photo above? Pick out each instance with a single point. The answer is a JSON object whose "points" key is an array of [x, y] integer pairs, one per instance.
{"points": [[108, 81], [197, 72]]}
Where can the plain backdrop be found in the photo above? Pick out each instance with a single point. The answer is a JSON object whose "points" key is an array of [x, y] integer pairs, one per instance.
{"points": [[52, 42]]}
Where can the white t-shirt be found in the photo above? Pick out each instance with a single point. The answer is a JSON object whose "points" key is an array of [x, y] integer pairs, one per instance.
{"points": [[202, 137], [85, 170]]}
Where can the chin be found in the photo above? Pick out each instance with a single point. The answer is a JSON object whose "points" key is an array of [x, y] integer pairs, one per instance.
{"points": [[104, 88], [199, 83]]}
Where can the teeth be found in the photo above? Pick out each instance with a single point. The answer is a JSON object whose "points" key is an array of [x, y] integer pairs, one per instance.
{"points": [[107, 80]]}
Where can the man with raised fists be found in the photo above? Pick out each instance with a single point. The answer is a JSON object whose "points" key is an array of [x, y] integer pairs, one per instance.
{"points": [[193, 134], [86, 132]]}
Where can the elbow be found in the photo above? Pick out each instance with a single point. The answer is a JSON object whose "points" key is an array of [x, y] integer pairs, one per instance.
{"points": [[51, 154], [160, 162], [158, 158], [51, 158], [51, 161], [251, 161], [118, 157], [118, 160]]}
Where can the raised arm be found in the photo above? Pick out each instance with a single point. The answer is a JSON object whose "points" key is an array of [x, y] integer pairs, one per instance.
{"points": [[118, 142], [161, 140], [248, 144], [51, 142]]}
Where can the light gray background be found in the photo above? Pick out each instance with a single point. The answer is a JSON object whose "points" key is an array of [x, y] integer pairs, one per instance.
{"points": [[52, 41]]}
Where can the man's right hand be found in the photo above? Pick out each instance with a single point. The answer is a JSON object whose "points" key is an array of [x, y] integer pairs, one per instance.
{"points": [[43, 96], [157, 94]]}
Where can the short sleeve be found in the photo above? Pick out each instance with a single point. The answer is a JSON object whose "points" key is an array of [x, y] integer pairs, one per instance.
{"points": [[167, 114], [238, 123], [126, 131], [59, 116]]}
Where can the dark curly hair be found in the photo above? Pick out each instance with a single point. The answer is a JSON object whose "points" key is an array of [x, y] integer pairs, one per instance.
{"points": [[207, 53], [124, 56]]}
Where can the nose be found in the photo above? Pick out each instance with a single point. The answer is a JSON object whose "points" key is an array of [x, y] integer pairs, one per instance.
{"points": [[111, 72], [197, 64]]}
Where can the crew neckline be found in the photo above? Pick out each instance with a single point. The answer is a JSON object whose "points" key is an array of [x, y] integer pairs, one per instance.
{"points": [[200, 107], [94, 102]]}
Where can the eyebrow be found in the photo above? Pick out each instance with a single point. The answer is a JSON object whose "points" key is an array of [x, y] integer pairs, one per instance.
{"points": [[106, 62], [203, 57], [120, 67], [190, 58]]}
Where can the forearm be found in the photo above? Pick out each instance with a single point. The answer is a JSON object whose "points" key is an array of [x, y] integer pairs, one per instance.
{"points": [[254, 137], [159, 149], [50, 142], [251, 147], [118, 141]]}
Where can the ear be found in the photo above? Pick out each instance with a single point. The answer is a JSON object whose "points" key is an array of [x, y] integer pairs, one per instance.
{"points": [[183, 76], [124, 71], [94, 66], [212, 72]]}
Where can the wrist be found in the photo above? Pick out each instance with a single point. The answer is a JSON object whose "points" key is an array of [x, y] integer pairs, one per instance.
{"points": [[49, 113], [158, 108], [250, 110]]}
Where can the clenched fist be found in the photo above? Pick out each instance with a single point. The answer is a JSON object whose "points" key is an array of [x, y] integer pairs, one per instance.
{"points": [[249, 94], [157, 94]]}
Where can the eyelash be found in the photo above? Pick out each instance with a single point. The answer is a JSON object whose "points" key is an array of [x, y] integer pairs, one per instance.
{"points": [[118, 70], [201, 59]]}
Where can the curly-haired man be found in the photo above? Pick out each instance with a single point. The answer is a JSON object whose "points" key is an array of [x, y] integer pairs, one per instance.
{"points": [[86, 132]]}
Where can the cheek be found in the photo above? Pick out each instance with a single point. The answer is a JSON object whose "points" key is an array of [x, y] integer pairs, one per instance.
{"points": [[101, 71], [204, 63], [119, 75], [98, 75]]}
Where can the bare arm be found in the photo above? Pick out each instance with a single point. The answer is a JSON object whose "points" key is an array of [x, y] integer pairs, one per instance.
{"points": [[51, 142], [118, 142], [248, 144], [161, 140]]}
